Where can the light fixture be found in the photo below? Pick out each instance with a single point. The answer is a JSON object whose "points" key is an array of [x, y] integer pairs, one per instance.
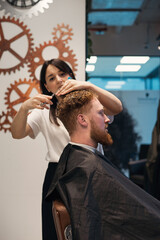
{"points": [[99, 29], [114, 84], [127, 68], [159, 46], [92, 59], [90, 68], [135, 59]]}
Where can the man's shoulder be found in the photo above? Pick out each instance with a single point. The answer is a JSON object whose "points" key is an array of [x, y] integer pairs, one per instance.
{"points": [[78, 155], [76, 149], [84, 153]]}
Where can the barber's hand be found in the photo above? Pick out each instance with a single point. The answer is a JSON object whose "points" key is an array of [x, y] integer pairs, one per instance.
{"points": [[71, 85], [39, 101]]}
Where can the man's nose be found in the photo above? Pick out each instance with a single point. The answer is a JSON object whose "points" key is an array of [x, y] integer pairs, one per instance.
{"points": [[106, 118], [111, 118]]}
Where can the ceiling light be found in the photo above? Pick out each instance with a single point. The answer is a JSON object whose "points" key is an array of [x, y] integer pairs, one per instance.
{"points": [[116, 82], [127, 68], [159, 46], [92, 59], [113, 86], [134, 59], [90, 68]]}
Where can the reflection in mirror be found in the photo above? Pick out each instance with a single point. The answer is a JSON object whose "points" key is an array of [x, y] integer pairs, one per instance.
{"points": [[124, 72]]}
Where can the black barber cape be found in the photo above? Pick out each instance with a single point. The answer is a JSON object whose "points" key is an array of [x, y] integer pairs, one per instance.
{"points": [[103, 204]]}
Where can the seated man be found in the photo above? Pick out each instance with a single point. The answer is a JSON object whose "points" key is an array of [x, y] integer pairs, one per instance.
{"points": [[103, 204]]}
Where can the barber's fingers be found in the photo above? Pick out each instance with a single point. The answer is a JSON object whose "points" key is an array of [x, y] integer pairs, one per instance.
{"points": [[70, 85], [44, 102], [39, 101]]}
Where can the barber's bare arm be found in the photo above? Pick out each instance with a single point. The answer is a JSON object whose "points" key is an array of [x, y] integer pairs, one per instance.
{"points": [[19, 126], [112, 104]]}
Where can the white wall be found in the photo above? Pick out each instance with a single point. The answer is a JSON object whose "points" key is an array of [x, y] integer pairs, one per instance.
{"points": [[22, 164]]}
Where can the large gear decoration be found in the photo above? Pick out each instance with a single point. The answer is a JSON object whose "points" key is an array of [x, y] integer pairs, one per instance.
{"points": [[9, 48], [61, 35], [5, 121], [22, 3], [16, 89], [64, 53], [25, 8]]}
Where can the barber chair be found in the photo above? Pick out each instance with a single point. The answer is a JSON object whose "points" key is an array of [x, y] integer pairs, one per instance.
{"points": [[137, 172], [61, 220], [137, 168]]}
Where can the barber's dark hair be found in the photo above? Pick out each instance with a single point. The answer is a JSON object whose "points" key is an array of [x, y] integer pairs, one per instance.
{"points": [[62, 66], [58, 63]]}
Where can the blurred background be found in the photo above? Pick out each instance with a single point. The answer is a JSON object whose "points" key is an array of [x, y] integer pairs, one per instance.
{"points": [[123, 56]]}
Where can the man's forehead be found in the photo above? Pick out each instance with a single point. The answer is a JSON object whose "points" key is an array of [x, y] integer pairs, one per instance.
{"points": [[96, 103]]}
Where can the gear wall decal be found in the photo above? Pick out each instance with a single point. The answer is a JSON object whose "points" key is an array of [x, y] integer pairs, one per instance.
{"points": [[61, 35], [5, 121], [63, 52], [15, 95], [10, 47], [22, 3], [34, 58], [24, 8]]}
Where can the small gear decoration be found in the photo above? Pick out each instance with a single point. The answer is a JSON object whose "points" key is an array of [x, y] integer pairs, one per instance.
{"points": [[62, 33], [10, 47], [24, 8], [23, 90]]}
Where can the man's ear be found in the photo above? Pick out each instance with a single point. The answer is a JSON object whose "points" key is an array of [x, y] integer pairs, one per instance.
{"points": [[81, 118]]}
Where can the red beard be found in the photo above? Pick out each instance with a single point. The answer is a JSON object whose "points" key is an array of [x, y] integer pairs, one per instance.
{"points": [[99, 135]]}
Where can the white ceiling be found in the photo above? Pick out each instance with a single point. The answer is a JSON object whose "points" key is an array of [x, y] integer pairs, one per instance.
{"points": [[114, 12], [121, 12], [108, 4]]}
